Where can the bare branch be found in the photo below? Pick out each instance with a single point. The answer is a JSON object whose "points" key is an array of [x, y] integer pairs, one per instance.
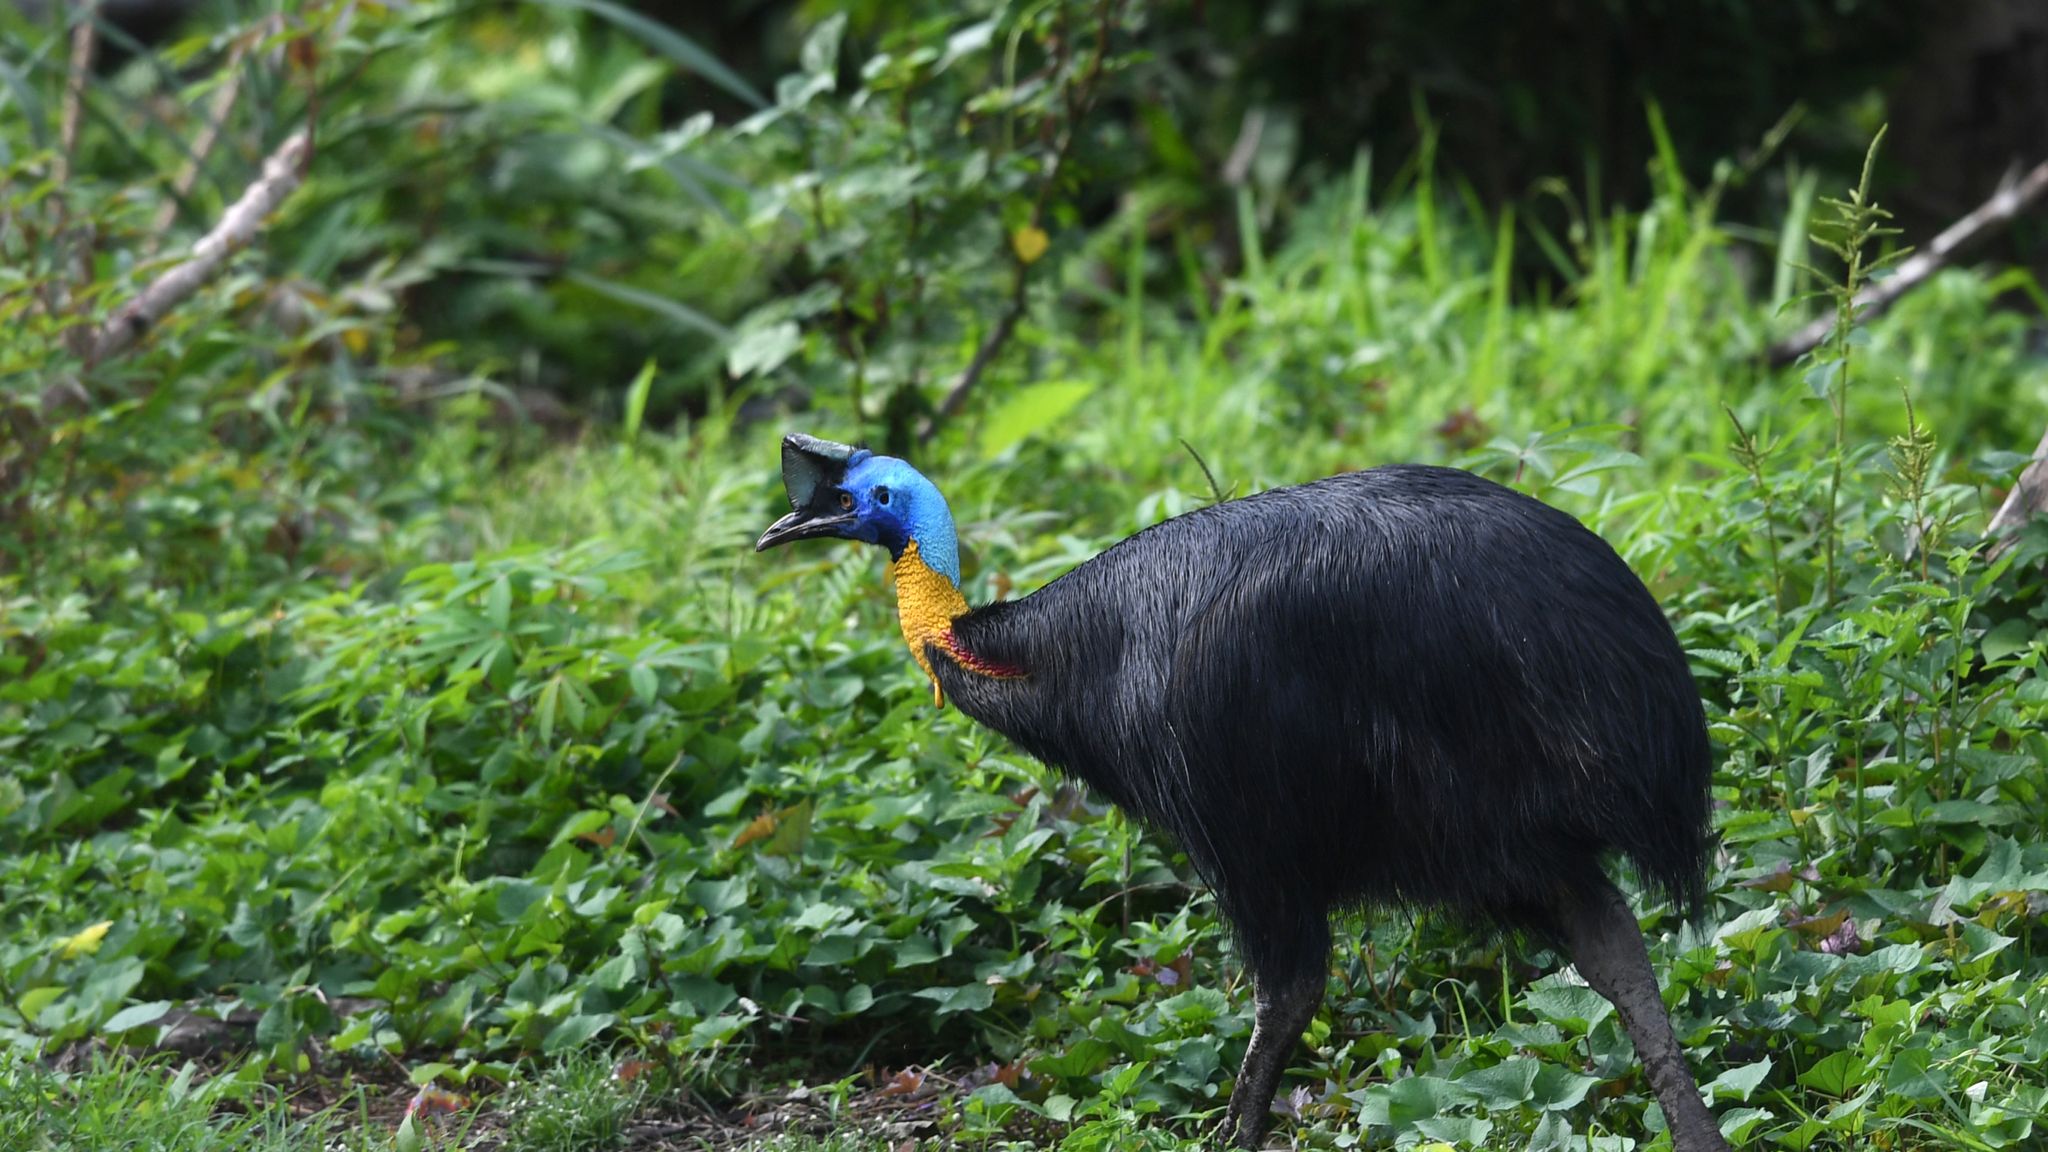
{"points": [[1079, 101], [69, 248], [2012, 199], [84, 46], [1239, 164], [216, 120], [2028, 499], [983, 355], [283, 172]]}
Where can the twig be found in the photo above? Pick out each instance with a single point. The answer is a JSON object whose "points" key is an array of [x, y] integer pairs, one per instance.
{"points": [[283, 172], [216, 121], [990, 345], [57, 293], [1216, 493], [2028, 499], [2013, 198], [84, 46], [1079, 101], [1239, 164]]}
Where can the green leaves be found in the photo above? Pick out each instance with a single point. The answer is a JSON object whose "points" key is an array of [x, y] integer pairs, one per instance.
{"points": [[966, 998], [575, 1031], [316, 694], [669, 43], [1030, 411]]}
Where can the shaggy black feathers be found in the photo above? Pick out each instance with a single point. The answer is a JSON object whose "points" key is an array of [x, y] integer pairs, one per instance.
{"points": [[1407, 685]]}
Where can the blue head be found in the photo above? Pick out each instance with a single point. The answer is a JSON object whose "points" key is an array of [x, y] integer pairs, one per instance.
{"points": [[839, 490]]}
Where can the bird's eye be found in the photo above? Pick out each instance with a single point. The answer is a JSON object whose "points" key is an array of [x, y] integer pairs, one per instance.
{"points": [[881, 495], [846, 501]]}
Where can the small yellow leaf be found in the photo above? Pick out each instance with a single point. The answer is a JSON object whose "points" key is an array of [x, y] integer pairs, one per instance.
{"points": [[1030, 242], [85, 943], [759, 828]]}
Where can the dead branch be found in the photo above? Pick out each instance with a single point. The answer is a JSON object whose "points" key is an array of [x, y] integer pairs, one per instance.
{"points": [[1238, 165], [2012, 199], [2028, 499], [84, 46], [216, 121], [986, 352], [1080, 100], [67, 247], [283, 172]]}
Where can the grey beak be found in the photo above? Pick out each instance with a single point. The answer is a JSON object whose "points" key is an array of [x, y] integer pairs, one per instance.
{"points": [[802, 524]]}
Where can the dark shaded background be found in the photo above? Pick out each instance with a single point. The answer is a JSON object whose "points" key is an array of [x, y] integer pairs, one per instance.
{"points": [[1531, 90], [1557, 88]]}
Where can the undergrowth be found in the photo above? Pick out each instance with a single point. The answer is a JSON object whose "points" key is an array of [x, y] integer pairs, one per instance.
{"points": [[409, 742]]}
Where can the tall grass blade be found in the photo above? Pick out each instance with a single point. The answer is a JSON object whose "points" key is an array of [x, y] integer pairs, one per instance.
{"points": [[1792, 243], [682, 314], [669, 43]]}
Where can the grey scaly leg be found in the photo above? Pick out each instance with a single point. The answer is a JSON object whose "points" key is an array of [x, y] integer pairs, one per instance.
{"points": [[1284, 1008], [1607, 945]]}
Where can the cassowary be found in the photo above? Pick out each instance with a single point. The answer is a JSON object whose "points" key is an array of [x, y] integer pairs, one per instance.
{"points": [[1407, 686]]}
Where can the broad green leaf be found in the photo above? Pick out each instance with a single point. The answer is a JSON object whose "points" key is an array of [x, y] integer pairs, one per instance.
{"points": [[820, 53], [1454, 1132], [1081, 1058], [1836, 1074], [1574, 1005], [2009, 638], [1559, 1089], [1738, 1083], [1400, 1104], [1196, 1006], [136, 1016], [644, 683], [964, 998], [1504, 1085], [759, 351], [575, 1031], [1028, 412]]}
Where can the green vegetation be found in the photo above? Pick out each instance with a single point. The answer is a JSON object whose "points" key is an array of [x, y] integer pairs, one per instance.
{"points": [[430, 750]]}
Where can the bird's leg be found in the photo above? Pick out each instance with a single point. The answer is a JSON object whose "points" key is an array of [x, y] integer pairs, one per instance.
{"points": [[1607, 945], [1285, 1005]]}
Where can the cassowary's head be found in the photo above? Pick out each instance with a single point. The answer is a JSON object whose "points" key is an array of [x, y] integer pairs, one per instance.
{"points": [[840, 490]]}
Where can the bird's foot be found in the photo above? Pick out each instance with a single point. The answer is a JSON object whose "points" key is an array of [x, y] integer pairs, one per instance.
{"points": [[1235, 1131]]}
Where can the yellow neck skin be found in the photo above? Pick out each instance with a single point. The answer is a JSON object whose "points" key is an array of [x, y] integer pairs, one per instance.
{"points": [[926, 604]]}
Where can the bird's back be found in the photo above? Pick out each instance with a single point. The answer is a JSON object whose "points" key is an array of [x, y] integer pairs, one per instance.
{"points": [[1407, 684]]}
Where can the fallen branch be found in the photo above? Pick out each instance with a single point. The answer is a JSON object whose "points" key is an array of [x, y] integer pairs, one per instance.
{"points": [[283, 172], [2028, 499], [2013, 198]]}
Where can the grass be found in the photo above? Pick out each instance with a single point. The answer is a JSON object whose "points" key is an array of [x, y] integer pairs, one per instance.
{"points": [[538, 763], [120, 1103]]}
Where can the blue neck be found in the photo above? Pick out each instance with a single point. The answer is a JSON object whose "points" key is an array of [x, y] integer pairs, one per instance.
{"points": [[931, 525]]}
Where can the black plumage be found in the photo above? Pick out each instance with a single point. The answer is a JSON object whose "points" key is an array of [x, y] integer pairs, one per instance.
{"points": [[1407, 686]]}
